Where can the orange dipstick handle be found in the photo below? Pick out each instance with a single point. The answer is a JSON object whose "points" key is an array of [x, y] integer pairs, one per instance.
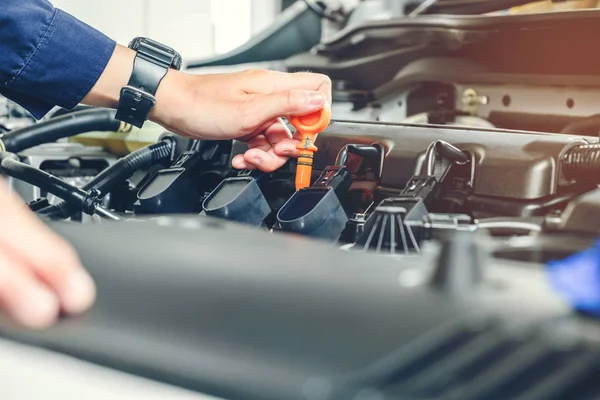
{"points": [[309, 126]]}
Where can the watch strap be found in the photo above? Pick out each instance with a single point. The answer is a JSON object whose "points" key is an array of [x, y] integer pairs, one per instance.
{"points": [[152, 62], [134, 106], [147, 75]]}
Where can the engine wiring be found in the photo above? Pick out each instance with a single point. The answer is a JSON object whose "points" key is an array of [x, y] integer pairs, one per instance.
{"points": [[88, 202]]}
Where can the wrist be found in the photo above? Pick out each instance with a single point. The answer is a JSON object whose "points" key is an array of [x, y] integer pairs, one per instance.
{"points": [[170, 95], [107, 90], [129, 71], [172, 98]]}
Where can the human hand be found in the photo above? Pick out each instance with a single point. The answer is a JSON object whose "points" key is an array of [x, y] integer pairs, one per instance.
{"points": [[40, 274], [244, 106]]}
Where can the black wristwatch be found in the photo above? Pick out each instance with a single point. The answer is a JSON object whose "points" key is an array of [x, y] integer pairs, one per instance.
{"points": [[152, 62]]}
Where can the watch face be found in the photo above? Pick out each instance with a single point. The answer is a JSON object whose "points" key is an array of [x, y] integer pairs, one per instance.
{"points": [[135, 43], [175, 58]]}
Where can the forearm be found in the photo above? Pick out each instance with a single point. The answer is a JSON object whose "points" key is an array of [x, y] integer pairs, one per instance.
{"points": [[106, 91], [49, 58]]}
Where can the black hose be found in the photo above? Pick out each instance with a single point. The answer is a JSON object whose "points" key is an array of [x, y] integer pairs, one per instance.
{"points": [[125, 167], [12, 166], [121, 170], [96, 119], [582, 163]]}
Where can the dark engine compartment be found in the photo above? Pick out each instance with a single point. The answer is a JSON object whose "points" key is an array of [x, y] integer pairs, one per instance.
{"points": [[419, 264], [461, 287], [444, 178]]}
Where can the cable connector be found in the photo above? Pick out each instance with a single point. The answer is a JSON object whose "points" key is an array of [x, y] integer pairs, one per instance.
{"points": [[90, 201]]}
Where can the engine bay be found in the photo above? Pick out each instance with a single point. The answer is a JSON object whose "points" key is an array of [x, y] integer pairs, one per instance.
{"points": [[375, 186], [451, 197]]}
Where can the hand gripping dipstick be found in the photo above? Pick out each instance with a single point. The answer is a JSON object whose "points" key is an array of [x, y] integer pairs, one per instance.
{"points": [[309, 126]]}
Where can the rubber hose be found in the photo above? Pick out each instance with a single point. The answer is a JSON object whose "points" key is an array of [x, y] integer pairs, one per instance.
{"points": [[97, 119], [12, 166], [582, 162], [121, 170], [125, 167]]}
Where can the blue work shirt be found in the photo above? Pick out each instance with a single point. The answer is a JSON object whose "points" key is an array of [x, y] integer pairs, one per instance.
{"points": [[47, 57]]}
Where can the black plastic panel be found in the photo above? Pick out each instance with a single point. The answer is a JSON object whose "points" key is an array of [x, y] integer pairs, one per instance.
{"points": [[511, 164], [372, 56], [282, 315]]}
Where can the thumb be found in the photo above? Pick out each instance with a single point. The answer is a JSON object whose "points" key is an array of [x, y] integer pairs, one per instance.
{"points": [[289, 103]]}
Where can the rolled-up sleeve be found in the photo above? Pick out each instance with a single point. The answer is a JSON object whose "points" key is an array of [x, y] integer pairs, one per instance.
{"points": [[47, 57]]}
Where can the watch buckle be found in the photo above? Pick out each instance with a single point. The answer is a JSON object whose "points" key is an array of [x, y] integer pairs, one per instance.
{"points": [[134, 106]]}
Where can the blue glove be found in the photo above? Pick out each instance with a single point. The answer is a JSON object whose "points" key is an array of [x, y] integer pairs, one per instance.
{"points": [[577, 279]]}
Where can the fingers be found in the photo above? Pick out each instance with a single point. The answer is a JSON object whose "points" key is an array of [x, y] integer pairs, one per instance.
{"points": [[264, 107], [267, 82], [23, 297], [34, 247], [277, 132], [287, 148], [239, 162], [266, 161], [275, 94], [269, 150], [301, 80]]}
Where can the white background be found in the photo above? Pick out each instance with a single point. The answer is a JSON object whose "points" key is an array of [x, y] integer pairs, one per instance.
{"points": [[196, 28]]}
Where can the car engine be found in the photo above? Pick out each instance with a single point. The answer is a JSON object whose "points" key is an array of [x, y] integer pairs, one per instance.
{"points": [[444, 248]]}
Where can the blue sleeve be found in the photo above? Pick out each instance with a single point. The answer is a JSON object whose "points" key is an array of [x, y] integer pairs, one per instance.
{"points": [[47, 57]]}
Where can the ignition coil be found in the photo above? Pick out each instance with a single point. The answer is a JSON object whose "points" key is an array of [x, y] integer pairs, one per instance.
{"points": [[239, 199], [317, 210], [400, 224], [176, 189]]}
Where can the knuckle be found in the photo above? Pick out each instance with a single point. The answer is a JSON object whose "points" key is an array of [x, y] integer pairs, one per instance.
{"points": [[326, 79], [316, 77], [286, 100]]}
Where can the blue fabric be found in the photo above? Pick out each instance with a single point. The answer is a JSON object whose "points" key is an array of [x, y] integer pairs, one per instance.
{"points": [[47, 57], [577, 279]]}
